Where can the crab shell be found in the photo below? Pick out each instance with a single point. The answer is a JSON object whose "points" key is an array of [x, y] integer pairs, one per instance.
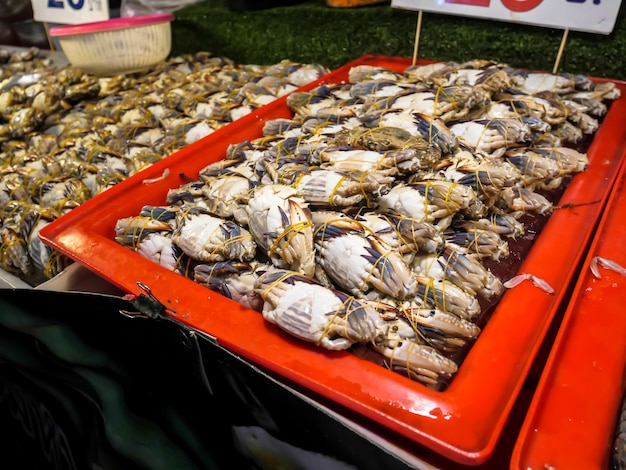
{"points": [[208, 238], [327, 187], [479, 243], [403, 233], [460, 269], [433, 201], [446, 296], [233, 280], [525, 200], [491, 137], [281, 224], [225, 195], [359, 262], [315, 313], [536, 82], [160, 249]]}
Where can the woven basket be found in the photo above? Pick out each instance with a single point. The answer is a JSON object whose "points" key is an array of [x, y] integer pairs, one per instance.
{"points": [[121, 45]]}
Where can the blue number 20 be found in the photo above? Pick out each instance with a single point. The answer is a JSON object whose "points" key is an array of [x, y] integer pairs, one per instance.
{"points": [[75, 4]]}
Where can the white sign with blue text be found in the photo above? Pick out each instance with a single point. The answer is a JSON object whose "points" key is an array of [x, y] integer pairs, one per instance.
{"points": [[70, 11], [592, 16]]}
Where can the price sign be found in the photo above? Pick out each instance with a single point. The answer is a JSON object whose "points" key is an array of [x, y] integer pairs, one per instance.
{"points": [[592, 16], [70, 11]]}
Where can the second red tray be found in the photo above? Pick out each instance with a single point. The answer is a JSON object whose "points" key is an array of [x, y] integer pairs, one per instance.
{"points": [[572, 418]]}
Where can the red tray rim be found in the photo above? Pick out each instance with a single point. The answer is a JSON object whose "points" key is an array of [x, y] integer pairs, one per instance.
{"points": [[582, 385], [463, 422]]}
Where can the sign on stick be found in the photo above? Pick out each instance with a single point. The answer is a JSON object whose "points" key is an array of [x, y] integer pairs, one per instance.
{"points": [[592, 16]]}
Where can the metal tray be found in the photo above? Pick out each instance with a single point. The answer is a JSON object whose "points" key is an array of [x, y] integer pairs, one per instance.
{"points": [[571, 420], [463, 422]]}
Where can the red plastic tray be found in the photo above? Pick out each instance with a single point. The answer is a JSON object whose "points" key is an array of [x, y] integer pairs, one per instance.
{"points": [[571, 420], [463, 422]]}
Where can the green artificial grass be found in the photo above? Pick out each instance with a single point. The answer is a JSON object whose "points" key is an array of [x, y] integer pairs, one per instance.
{"points": [[314, 32]]}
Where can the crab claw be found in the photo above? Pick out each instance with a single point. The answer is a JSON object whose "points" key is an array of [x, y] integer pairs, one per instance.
{"points": [[130, 231], [419, 362], [436, 132]]}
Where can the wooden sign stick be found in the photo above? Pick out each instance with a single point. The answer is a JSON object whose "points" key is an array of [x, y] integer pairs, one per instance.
{"points": [[417, 35], [50, 43], [560, 53]]}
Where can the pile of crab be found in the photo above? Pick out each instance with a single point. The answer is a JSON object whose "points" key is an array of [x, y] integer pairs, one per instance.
{"points": [[368, 218], [16, 62], [66, 136]]}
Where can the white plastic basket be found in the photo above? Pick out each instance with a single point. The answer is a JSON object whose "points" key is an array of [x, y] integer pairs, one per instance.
{"points": [[119, 45]]}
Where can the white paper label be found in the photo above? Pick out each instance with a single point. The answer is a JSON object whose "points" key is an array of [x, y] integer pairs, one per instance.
{"points": [[592, 16], [70, 11]]}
